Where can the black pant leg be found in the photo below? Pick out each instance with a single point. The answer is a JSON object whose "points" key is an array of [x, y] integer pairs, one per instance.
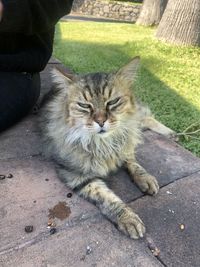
{"points": [[18, 94]]}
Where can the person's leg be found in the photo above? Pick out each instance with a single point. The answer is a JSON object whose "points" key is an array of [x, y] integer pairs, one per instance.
{"points": [[18, 94]]}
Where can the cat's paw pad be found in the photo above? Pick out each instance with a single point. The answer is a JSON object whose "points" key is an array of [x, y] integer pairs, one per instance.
{"points": [[131, 224], [148, 184]]}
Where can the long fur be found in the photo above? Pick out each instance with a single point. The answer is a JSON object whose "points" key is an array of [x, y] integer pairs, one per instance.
{"points": [[91, 125]]}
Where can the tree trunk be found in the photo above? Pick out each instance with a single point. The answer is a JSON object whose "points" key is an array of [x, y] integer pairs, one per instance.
{"points": [[151, 12], [180, 23]]}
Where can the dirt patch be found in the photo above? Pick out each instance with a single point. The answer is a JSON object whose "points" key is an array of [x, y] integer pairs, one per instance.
{"points": [[60, 211]]}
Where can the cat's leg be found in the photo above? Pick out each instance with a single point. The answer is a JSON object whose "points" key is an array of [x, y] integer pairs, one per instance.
{"points": [[96, 191], [113, 207], [147, 121], [146, 182], [151, 123]]}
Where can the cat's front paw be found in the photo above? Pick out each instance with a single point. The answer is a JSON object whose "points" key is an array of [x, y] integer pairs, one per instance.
{"points": [[131, 224], [148, 184]]}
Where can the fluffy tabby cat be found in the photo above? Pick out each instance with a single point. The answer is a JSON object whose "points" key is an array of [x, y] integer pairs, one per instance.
{"points": [[91, 125]]}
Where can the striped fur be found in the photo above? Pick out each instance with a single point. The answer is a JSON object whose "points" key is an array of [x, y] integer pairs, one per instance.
{"points": [[90, 127]]}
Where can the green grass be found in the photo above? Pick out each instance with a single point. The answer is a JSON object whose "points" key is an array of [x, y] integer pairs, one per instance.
{"points": [[169, 77]]}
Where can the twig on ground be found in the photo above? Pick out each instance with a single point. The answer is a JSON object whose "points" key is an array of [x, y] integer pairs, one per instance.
{"points": [[191, 131]]}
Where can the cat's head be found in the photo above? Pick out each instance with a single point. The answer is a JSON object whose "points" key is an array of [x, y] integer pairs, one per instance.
{"points": [[99, 103]]}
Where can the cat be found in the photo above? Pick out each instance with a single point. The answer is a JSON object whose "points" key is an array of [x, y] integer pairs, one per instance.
{"points": [[91, 125]]}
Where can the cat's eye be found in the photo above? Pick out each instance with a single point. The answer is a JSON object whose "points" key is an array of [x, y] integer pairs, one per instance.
{"points": [[84, 105], [114, 101]]}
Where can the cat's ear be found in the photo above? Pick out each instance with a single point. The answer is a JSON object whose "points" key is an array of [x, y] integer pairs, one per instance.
{"points": [[61, 78], [128, 73]]}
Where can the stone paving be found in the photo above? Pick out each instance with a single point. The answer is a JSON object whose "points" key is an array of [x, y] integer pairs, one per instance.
{"points": [[85, 237], [81, 17]]}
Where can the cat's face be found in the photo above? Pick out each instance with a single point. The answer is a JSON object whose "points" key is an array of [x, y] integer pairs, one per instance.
{"points": [[100, 104]]}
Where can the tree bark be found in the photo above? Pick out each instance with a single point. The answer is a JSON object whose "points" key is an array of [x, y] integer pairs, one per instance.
{"points": [[180, 23], [151, 12]]}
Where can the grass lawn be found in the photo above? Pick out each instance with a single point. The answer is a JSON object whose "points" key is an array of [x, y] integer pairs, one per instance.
{"points": [[169, 77]]}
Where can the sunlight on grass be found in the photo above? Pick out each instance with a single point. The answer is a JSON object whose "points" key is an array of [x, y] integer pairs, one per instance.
{"points": [[169, 77]]}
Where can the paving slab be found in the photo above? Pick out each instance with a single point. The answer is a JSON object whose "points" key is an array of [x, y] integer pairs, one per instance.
{"points": [[93, 243], [27, 197], [81, 17], [54, 60], [21, 141], [169, 162], [162, 158], [166, 159], [172, 221]]}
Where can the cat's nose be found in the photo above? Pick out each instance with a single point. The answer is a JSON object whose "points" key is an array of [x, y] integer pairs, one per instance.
{"points": [[100, 119], [101, 123]]}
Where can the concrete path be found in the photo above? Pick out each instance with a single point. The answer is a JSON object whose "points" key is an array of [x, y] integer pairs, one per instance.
{"points": [[81, 17], [77, 234]]}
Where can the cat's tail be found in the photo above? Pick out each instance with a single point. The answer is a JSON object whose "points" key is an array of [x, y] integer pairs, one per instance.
{"points": [[147, 121]]}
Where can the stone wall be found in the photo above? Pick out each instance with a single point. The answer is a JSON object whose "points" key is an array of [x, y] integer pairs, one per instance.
{"points": [[107, 9]]}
